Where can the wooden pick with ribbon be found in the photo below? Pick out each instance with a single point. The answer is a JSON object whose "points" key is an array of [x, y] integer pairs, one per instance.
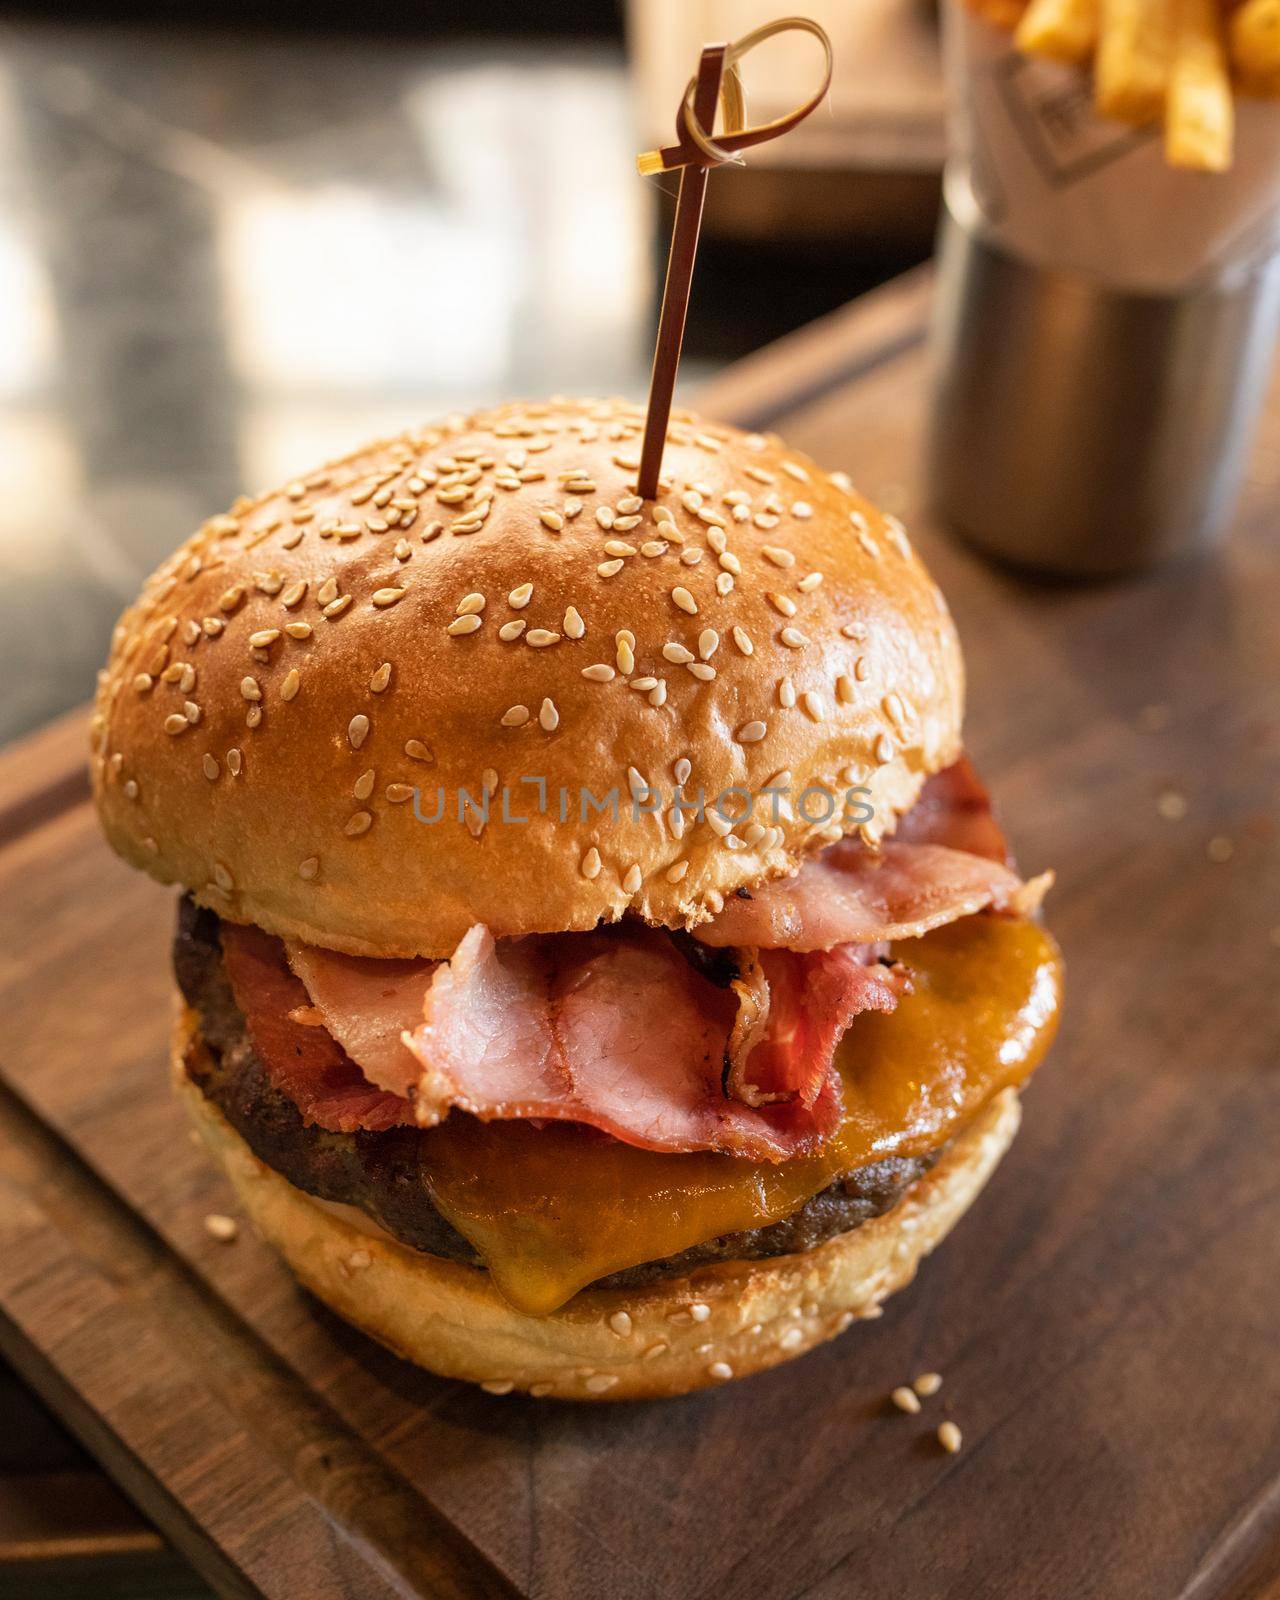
{"points": [[699, 149]]}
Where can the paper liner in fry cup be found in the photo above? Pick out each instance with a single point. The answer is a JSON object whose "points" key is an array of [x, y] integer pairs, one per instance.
{"points": [[1059, 185]]}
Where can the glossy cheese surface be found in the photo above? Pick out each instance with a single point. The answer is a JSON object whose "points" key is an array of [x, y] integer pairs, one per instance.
{"points": [[553, 1208]]}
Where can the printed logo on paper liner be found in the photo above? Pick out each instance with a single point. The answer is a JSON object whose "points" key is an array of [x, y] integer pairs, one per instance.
{"points": [[1051, 108]]}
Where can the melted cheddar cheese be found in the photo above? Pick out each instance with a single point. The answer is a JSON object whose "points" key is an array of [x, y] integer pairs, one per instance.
{"points": [[551, 1209]]}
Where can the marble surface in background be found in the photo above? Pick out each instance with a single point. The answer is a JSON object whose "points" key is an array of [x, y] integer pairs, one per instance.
{"points": [[222, 260]]}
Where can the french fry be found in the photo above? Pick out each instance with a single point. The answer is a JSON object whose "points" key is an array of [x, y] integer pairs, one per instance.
{"points": [[1255, 44], [1064, 30], [1135, 52], [1003, 13], [1199, 113]]}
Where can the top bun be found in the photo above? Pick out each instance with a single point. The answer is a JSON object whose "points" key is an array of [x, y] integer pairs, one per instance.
{"points": [[485, 604]]}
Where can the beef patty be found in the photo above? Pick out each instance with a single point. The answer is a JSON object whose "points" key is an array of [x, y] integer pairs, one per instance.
{"points": [[381, 1173]]}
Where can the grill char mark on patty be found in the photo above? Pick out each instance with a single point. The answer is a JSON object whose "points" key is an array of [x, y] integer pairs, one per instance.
{"points": [[381, 1173]]}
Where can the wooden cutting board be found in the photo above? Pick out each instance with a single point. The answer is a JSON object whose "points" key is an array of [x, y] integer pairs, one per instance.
{"points": [[1105, 1319]]}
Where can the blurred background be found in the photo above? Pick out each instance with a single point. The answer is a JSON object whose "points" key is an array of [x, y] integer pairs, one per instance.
{"points": [[237, 238]]}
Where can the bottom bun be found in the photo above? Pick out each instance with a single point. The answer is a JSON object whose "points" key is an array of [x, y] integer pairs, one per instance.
{"points": [[720, 1322]]}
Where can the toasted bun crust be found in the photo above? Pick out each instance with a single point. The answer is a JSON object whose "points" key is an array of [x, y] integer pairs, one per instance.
{"points": [[303, 663], [722, 1322]]}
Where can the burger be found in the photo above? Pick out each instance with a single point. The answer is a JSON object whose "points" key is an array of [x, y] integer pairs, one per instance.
{"points": [[600, 972]]}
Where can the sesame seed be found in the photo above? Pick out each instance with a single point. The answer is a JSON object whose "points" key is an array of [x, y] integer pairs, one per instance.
{"points": [[791, 1338], [263, 638], [574, 626], [222, 877], [619, 547], [630, 503], [676, 873], [253, 716], [643, 684], [551, 519], [548, 716], [701, 671], [327, 591], [928, 1383], [782, 603], [291, 684], [176, 723], [497, 1386], [307, 869], [519, 597], [357, 730], [515, 717], [187, 678], [751, 732], [620, 1323], [631, 883], [249, 689], [699, 1311], [809, 582], [906, 1400], [861, 669], [654, 547], [683, 770], [223, 1229], [801, 510], [211, 768], [793, 469], [131, 789], [685, 600], [609, 569], [600, 1382], [335, 608], [364, 785], [381, 678], [417, 751], [730, 563], [793, 638], [950, 1437], [470, 605], [869, 545], [883, 749], [143, 682], [604, 517], [231, 599], [759, 475], [1172, 806], [398, 793], [786, 693], [511, 630], [541, 638], [691, 557], [743, 641], [721, 1371], [677, 654], [845, 691], [599, 672], [708, 643], [591, 863], [465, 624], [234, 762], [298, 630], [1220, 848], [357, 823]]}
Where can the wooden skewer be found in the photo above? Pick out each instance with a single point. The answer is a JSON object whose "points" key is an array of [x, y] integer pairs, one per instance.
{"points": [[698, 150], [679, 280]]}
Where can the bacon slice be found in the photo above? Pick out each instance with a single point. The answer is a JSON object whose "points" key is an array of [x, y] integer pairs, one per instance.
{"points": [[812, 999], [954, 809], [852, 895], [367, 1004], [303, 1061], [617, 1030]]}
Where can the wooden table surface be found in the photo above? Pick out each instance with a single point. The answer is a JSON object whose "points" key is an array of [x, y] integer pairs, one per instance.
{"points": [[1105, 1319]]}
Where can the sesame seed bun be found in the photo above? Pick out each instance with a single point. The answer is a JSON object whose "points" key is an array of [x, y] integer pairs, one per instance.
{"points": [[722, 1322], [486, 602]]}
